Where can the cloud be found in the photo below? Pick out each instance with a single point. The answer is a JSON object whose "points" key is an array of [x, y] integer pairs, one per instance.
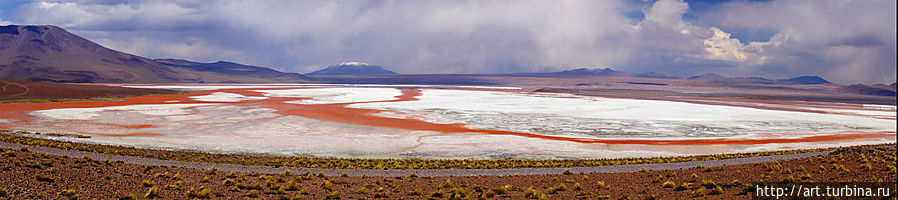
{"points": [[846, 41], [492, 36]]}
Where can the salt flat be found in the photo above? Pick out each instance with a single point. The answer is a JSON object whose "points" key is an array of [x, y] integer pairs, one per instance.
{"points": [[484, 122]]}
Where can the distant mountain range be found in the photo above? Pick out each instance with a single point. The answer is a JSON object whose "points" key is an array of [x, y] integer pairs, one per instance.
{"points": [[51, 54], [353, 68], [876, 90], [801, 80]]}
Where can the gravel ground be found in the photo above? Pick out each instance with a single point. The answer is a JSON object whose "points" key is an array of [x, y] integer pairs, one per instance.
{"points": [[419, 172]]}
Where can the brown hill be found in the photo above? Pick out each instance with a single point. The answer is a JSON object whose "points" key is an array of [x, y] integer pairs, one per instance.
{"points": [[230, 68], [52, 54]]}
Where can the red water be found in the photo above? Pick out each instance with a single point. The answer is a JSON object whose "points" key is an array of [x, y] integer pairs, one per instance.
{"points": [[339, 112]]}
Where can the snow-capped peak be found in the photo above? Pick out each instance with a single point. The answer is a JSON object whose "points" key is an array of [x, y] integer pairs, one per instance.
{"points": [[354, 63]]}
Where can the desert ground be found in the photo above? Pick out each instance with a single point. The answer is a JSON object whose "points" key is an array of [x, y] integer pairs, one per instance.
{"points": [[31, 172]]}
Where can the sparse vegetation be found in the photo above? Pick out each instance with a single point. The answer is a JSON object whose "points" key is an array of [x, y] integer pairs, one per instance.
{"points": [[347, 163], [120, 179]]}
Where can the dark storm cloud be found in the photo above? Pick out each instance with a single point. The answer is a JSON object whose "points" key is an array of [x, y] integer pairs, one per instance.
{"points": [[497, 36]]}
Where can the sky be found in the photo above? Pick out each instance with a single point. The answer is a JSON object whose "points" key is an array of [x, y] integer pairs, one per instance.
{"points": [[844, 41]]}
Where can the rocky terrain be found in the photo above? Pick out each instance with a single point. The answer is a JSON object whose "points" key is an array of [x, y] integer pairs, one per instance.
{"points": [[29, 174]]}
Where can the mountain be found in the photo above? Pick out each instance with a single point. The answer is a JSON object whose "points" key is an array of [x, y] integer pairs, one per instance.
{"points": [[231, 68], [867, 90], [591, 72], [658, 75], [801, 80], [52, 54], [353, 68], [708, 77], [806, 80]]}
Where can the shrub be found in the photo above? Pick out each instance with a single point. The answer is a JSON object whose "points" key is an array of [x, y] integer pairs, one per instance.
{"points": [[292, 185], [446, 184], [709, 184], [867, 166], [226, 182], [577, 187], [458, 193], [556, 189], [501, 189], [789, 179], [24, 148], [255, 186], [67, 193], [602, 185], [416, 192], [173, 186], [735, 183], [286, 172], [252, 194], [326, 184], [43, 178], [332, 195], [699, 192], [566, 172], [532, 193], [437, 194], [668, 184], [684, 186], [716, 191], [153, 192], [193, 194], [3, 192], [129, 196]]}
